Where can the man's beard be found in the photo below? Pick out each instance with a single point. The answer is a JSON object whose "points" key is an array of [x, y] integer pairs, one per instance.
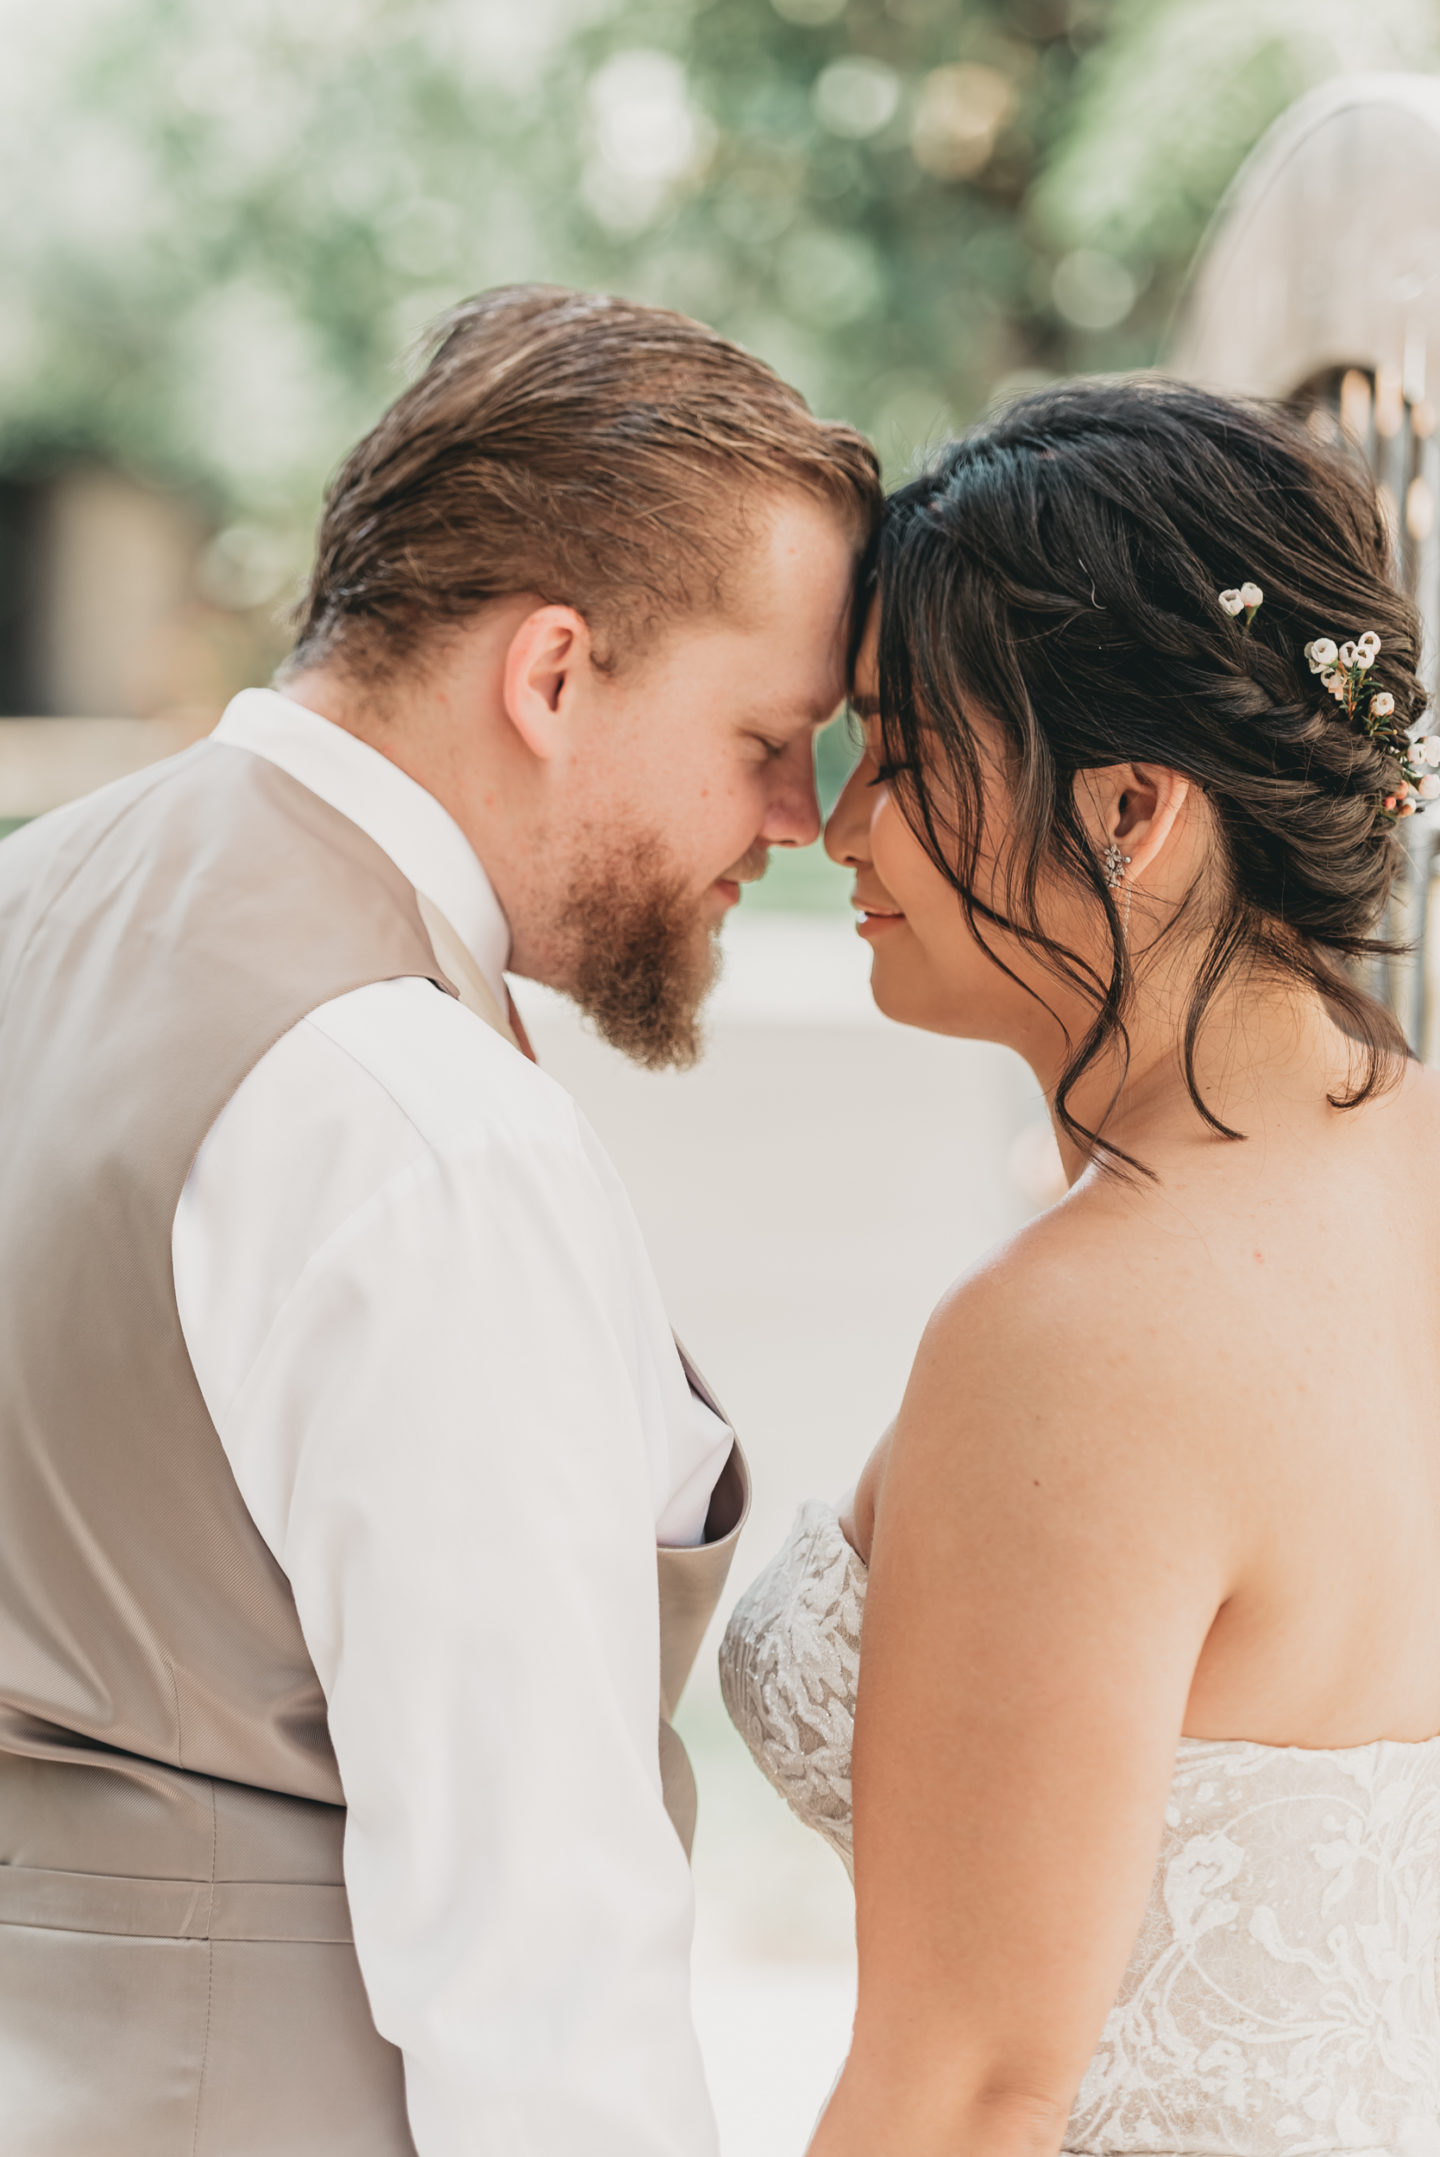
{"points": [[639, 957]]}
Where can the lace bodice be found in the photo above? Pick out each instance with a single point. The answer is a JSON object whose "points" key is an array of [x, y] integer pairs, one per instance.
{"points": [[1281, 2000]]}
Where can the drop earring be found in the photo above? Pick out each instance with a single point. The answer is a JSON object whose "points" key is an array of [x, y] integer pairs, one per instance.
{"points": [[1115, 864]]}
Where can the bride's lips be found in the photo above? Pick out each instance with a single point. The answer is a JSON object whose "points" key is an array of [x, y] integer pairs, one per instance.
{"points": [[729, 889], [875, 920]]}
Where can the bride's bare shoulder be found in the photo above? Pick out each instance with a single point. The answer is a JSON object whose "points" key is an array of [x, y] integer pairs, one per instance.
{"points": [[1063, 1402], [1080, 1265], [1095, 1313]]}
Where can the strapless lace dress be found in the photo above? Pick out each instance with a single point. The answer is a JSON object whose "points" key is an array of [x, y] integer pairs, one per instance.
{"points": [[1281, 2000]]}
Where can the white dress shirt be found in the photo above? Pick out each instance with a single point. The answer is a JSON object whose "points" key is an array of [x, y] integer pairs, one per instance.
{"points": [[423, 1320]]}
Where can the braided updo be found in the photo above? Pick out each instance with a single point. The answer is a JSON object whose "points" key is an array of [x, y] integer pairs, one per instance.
{"points": [[1058, 569]]}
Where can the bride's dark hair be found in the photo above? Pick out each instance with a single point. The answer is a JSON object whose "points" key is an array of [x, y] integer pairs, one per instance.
{"points": [[1058, 569]]}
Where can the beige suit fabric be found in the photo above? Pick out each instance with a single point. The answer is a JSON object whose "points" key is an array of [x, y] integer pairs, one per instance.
{"points": [[177, 1977]]}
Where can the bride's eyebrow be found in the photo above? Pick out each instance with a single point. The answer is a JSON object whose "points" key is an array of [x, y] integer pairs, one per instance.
{"points": [[864, 707]]}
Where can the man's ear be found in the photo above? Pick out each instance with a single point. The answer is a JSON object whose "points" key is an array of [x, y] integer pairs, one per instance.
{"points": [[1136, 806], [547, 653]]}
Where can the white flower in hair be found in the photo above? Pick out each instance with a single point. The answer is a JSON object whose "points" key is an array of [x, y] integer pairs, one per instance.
{"points": [[1429, 787], [1372, 713], [1428, 751], [1251, 595], [1232, 602]]}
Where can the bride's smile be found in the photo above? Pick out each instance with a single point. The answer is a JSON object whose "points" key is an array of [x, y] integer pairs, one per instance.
{"points": [[875, 917]]}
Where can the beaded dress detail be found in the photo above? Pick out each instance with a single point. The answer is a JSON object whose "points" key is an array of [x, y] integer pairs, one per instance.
{"points": [[1281, 1999]]}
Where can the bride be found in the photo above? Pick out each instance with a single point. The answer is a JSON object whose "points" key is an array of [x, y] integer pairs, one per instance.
{"points": [[1146, 1780]]}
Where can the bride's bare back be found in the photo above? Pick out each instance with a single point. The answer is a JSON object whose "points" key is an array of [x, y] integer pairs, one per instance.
{"points": [[1251, 1347], [1308, 1276]]}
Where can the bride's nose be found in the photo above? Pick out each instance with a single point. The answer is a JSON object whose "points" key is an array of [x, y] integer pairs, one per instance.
{"points": [[847, 834]]}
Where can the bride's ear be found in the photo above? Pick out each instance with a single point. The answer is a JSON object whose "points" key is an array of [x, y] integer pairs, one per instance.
{"points": [[1134, 807]]}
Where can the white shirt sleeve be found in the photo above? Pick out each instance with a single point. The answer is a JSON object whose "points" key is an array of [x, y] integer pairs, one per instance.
{"points": [[423, 1321]]}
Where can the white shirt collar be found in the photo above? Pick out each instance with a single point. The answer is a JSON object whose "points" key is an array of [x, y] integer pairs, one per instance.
{"points": [[423, 840]]}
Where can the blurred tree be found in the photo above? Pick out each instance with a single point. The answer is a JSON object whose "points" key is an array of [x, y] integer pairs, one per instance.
{"points": [[225, 223], [1165, 109], [860, 213]]}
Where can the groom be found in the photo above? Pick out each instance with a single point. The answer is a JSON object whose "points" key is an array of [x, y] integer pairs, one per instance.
{"points": [[339, 1416]]}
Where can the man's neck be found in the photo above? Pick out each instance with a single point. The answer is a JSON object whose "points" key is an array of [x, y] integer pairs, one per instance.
{"points": [[443, 726]]}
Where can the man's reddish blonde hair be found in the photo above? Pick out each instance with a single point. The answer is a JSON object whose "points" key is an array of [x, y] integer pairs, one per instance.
{"points": [[597, 452]]}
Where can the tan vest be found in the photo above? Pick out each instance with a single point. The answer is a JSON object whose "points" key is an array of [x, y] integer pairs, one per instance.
{"points": [[175, 1967]]}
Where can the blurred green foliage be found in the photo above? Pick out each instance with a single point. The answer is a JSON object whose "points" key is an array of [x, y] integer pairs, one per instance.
{"points": [[227, 220]]}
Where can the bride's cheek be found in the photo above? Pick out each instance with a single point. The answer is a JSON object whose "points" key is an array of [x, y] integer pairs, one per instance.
{"points": [[926, 897], [898, 858]]}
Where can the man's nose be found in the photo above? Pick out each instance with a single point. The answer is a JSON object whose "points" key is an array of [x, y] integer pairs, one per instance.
{"points": [[793, 816], [847, 835]]}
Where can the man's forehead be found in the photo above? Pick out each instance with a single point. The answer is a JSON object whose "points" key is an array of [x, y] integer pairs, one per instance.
{"points": [[792, 674], [795, 561]]}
